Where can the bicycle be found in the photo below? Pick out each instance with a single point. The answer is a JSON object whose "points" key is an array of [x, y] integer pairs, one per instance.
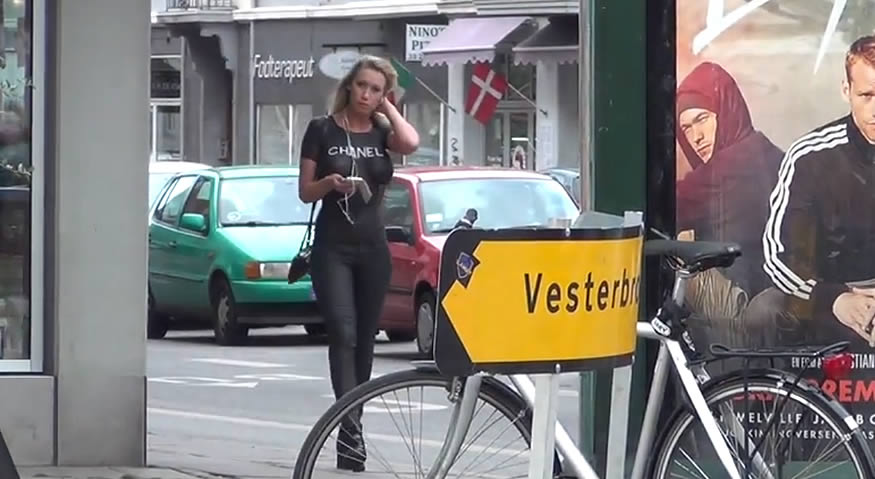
{"points": [[708, 413]]}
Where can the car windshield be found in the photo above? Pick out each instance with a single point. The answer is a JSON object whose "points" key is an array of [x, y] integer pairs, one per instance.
{"points": [[500, 202], [156, 182], [263, 201]]}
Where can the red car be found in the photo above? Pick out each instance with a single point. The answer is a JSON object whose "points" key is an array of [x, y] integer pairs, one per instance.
{"points": [[423, 204]]}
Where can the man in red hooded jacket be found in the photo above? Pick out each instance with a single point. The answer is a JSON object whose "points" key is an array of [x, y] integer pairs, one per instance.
{"points": [[724, 197]]}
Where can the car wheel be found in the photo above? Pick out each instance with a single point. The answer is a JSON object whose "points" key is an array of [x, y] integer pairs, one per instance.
{"points": [[425, 304], [314, 329], [226, 329], [157, 324]]}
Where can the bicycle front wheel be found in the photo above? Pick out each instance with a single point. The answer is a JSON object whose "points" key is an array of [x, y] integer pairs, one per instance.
{"points": [[774, 429], [404, 421]]}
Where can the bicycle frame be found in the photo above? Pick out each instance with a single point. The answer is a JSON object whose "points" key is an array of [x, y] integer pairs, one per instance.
{"points": [[671, 353]]}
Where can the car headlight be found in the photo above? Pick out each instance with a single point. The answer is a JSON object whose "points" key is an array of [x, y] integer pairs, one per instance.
{"points": [[271, 270], [274, 270]]}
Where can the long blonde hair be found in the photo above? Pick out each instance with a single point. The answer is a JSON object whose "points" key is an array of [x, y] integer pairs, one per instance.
{"points": [[341, 94]]}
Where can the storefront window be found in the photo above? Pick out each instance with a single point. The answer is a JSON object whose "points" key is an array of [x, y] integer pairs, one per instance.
{"points": [[520, 77], [17, 212], [273, 134], [770, 156], [166, 77], [167, 132], [301, 116], [166, 107], [280, 131], [427, 118]]}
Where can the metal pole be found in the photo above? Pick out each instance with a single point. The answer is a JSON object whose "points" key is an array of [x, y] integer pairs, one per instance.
{"points": [[584, 76], [584, 94]]}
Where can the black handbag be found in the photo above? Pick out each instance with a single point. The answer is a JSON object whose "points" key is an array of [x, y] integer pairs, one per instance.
{"points": [[301, 262]]}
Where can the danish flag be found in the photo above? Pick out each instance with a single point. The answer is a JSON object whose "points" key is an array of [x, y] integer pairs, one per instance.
{"points": [[487, 88]]}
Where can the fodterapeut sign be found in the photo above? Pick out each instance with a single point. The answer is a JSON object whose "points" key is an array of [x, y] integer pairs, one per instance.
{"points": [[282, 69]]}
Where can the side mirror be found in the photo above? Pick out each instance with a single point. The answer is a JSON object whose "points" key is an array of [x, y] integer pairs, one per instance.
{"points": [[397, 234], [193, 222]]}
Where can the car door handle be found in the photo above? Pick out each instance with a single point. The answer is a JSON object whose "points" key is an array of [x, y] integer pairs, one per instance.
{"points": [[172, 244]]}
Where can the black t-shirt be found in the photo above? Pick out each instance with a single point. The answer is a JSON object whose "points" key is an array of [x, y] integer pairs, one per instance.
{"points": [[326, 143]]}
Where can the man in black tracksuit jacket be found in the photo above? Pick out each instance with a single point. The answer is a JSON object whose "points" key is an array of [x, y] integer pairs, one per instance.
{"points": [[819, 239]]}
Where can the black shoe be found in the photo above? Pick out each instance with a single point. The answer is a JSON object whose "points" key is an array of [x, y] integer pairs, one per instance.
{"points": [[351, 453], [346, 463]]}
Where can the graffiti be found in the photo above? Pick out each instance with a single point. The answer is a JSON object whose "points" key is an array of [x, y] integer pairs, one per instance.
{"points": [[454, 146], [717, 21]]}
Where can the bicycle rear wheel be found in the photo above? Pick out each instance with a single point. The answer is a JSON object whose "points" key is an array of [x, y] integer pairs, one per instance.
{"points": [[774, 428], [397, 406]]}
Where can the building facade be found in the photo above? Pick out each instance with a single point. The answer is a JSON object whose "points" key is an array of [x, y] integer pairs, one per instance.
{"points": [[73, 275], [241, 105], [536, 124], [252, 78]]}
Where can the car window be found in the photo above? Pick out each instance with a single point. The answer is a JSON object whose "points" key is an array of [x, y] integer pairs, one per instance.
{"points": [[199, 201], [397, 206], [262, 201], [171, 205], [164, 194], [500, 202], [156, 182]]}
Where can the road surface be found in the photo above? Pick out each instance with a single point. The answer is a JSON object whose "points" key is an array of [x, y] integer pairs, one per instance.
{"points": [[244, 411]]}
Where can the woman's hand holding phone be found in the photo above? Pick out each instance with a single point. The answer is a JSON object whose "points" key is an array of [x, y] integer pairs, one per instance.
{"points": [[340, 184]]}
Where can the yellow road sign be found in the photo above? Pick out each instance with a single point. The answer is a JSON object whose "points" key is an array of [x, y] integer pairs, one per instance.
{"points": [[528, 300]]}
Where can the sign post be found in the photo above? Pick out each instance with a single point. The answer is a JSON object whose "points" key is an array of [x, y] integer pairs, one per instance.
{"points": [[543, 302]]}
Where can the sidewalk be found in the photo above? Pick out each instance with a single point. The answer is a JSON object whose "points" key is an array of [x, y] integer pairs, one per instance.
{"points": [[107, 473]]}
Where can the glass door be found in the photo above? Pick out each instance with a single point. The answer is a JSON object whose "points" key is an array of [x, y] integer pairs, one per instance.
{"points": [[166, 132], [521, 146], [495, 137], [510, 139]]}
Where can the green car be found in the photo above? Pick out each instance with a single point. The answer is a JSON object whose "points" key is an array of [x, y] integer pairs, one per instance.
{"points": [[220, 243]]}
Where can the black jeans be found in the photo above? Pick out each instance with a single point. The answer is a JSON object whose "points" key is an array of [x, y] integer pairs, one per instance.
{"points": [[350, 283]]}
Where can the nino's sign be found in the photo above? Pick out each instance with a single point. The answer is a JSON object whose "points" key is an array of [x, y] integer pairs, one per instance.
{"points": [[418, 37], [284, 69]]}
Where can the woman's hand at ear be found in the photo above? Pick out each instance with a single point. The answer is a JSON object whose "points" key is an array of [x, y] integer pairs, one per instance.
{"points": [[403, 138]]}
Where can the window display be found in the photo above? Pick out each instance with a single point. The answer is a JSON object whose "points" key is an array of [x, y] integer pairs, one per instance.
{"points": [[16, 180], [165, 125], [280, 131], [427, 118]]}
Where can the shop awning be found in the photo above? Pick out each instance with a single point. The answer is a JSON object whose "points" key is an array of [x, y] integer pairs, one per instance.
{"points": [[555, 43], [476, 39]]}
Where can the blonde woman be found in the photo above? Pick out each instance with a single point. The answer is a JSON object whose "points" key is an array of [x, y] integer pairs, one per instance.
{"points": [[345, 164]]}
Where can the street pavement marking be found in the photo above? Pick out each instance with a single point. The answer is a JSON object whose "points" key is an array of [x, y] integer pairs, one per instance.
{"points": [[235, 362], [245, 421], [279, 377], [199, 381]]}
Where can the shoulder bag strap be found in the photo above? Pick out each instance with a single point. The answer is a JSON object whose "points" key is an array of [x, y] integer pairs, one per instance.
{"points": [[307, 240], [308, 235]]}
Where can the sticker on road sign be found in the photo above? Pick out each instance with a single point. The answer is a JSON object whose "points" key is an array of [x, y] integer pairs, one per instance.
{"points": [[522, 300]]}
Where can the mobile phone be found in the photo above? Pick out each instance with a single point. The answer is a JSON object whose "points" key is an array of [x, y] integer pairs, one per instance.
{"points": [[362, 186]]}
